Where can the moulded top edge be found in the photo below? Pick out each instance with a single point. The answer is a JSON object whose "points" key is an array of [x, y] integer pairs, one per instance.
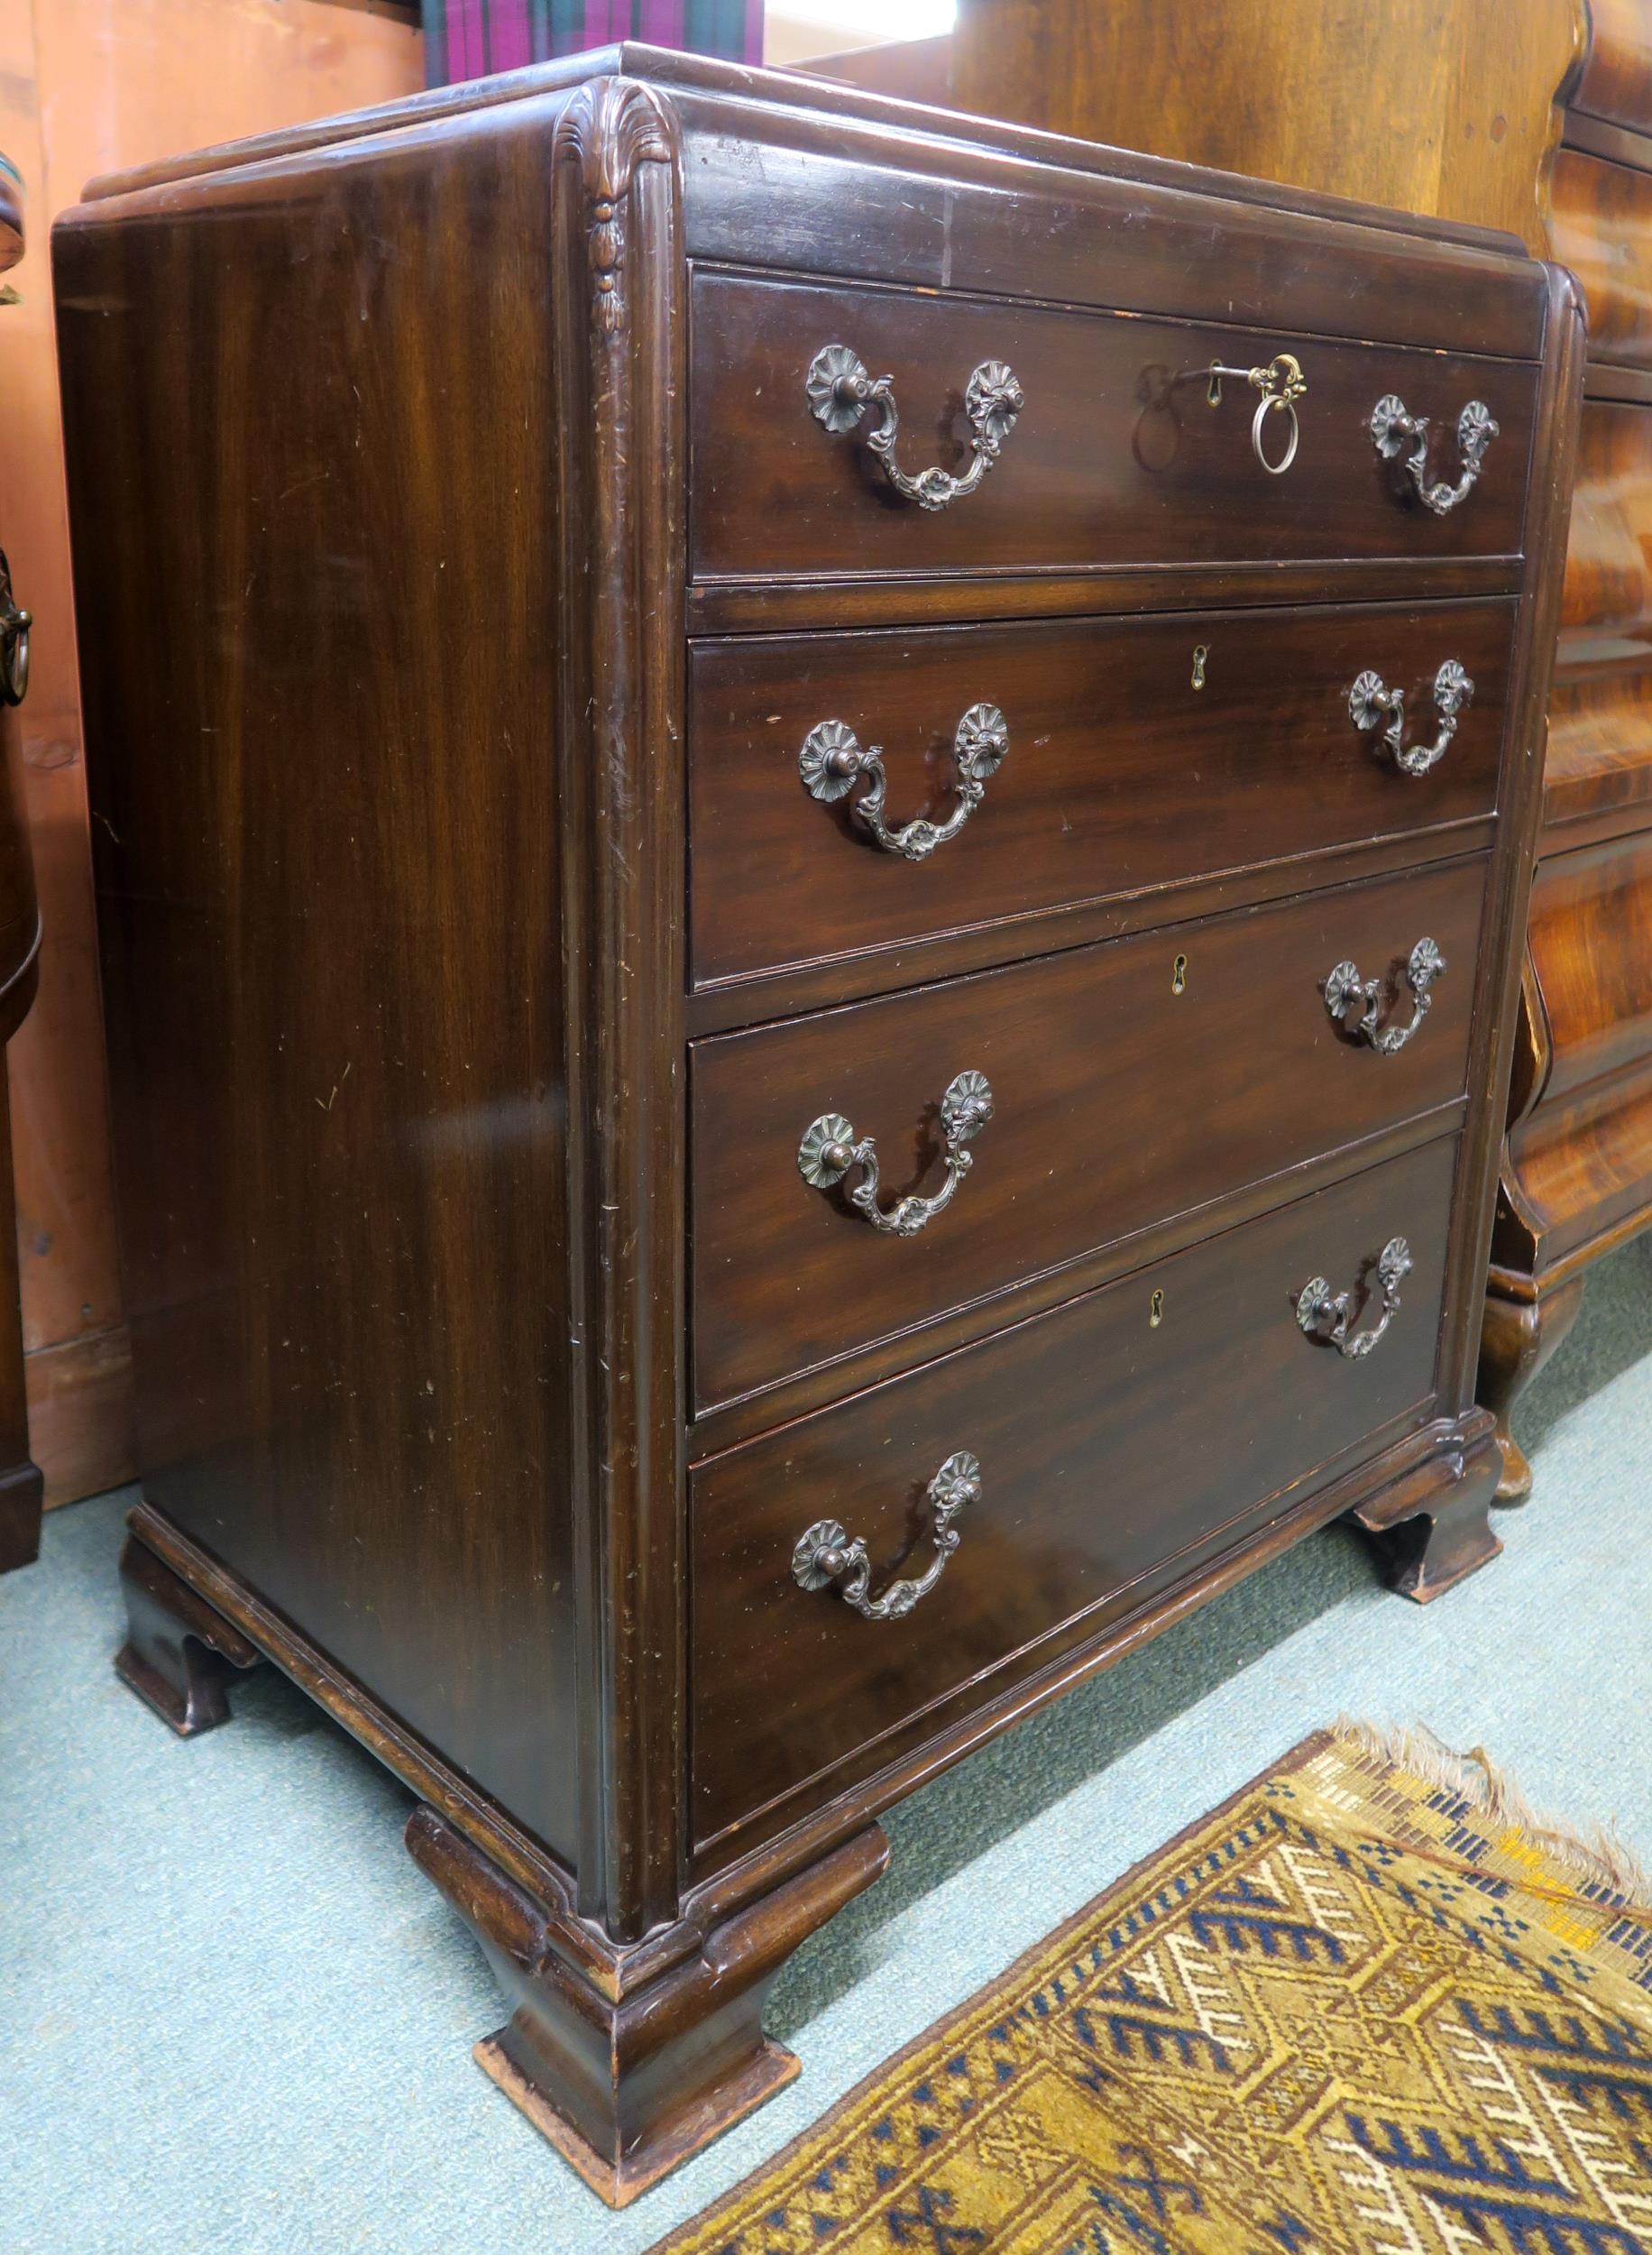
{"points": [[793, 91]]}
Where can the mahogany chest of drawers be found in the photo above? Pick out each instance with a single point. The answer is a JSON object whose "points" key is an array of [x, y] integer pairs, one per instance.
{"points": [[812, 828]]}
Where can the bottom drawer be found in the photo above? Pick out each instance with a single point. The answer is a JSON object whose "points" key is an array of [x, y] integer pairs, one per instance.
{"points": [[1118, 1437]]}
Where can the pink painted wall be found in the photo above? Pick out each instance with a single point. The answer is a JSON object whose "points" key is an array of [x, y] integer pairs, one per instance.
{"points": [[86, 87]]}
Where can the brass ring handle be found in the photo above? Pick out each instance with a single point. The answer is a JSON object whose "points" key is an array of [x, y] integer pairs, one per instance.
{"points": [[1391, 427], [832, 762], [14, 625], [1326, 1315], [1281, 384], [1369, 704], [1344, 987], [825, 1558], [830, 1146], [841, 391]]}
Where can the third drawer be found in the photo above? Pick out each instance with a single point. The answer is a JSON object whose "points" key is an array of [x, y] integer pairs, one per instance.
{"points": [[1132, 1082]]}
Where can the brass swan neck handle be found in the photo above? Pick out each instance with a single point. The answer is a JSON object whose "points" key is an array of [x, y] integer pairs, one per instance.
{"points": [[1326, 1315], [825, 1558], [1394, 428], [840, 391], [832, 761], [1344, 987], [1369, 704], [831, 1148]]}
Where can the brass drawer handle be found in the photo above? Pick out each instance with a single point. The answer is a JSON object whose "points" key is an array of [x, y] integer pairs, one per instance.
{"points": [[1281, 384], [1391, 427], [841, 391], [830, 1148], [1369, 704], [832, 762], [1326, 1315], [1345, 987], [14, 625], [825, 1558]]}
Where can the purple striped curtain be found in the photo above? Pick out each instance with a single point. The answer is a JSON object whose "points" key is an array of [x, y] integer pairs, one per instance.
{"points": [[467, 39]]}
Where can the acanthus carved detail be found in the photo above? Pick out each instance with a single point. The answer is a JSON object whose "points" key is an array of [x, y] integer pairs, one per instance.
{"points": [[609, 127]]}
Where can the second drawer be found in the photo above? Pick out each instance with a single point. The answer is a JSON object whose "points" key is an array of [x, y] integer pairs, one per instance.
{"points": [[1130, 1082], [1137, 754]]}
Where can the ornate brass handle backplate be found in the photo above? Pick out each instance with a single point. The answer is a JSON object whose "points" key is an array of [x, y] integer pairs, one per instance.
{"points": [[1392, 429], [832, 762], [1370, 704], [1326, 1315], [841, 391], [14, 625], [1345, 987], [830, 1146], [826, 1558]]}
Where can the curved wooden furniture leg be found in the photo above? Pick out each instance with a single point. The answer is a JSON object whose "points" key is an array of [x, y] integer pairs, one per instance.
{"points": [[627, 2085], [1516, 1338], [179, 1654]]}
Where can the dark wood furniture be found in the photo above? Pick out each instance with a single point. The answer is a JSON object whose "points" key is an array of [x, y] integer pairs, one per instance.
{"points": [[20, 941], [1577, 1170], [572, 810], [1538, 119]]}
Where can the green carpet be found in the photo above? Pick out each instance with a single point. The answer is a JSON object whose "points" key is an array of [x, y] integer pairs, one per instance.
{"points": [[234, 2016]]}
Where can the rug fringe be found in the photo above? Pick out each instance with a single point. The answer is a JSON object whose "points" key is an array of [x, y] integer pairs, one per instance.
{"points": [[1599, 1858]]}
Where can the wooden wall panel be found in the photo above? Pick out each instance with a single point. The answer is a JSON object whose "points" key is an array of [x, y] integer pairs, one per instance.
{"points": [[86, 85], [1408, 102]]}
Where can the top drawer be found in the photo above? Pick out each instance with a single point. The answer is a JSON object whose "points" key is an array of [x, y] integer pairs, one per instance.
{"points": [[1116, 457]]}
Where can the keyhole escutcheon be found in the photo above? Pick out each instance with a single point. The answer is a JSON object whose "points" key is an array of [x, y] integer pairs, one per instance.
{"points": [[1199, 656], [1155, 1315], [1179, 976]]}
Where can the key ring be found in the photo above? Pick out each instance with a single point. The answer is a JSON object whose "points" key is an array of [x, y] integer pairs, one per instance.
{"points": [[1281, 384], [1263, 408]]}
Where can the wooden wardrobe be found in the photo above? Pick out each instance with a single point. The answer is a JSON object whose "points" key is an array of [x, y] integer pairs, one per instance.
{"points": [[1537, 118]]}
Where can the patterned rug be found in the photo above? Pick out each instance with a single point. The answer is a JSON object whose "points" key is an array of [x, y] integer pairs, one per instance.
{"points": [[1369, 2007]]}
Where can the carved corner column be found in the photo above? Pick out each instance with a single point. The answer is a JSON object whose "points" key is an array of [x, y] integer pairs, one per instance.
{"points": [[621, 283], [635, 2031]]}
